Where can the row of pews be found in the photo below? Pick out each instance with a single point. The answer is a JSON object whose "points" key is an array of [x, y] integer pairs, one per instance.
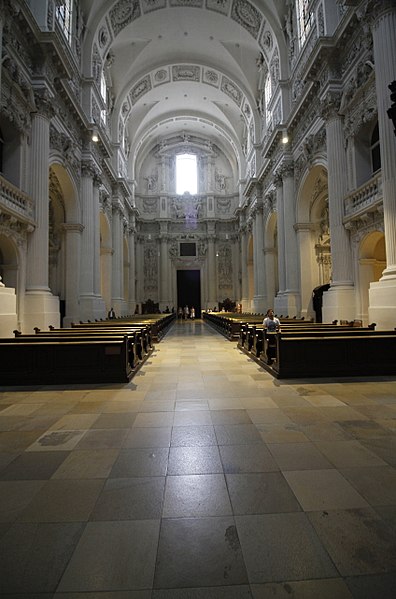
{"points": [[104, 351], [307, 349], [229, 323]]}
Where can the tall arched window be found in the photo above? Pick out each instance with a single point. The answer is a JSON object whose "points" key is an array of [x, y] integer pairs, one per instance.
{"points": [[304, 20], [103, 93], [64, 17], [186, 174], [375, 150]]}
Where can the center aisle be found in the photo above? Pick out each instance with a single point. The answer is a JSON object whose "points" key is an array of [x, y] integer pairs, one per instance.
{"points": [[221, 492]]}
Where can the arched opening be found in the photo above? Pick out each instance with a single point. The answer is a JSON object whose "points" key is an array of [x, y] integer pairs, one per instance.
{"points": [[372, 261], [313, 236]]}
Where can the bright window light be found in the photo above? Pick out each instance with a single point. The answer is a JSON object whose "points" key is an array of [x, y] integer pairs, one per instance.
{"points": [[186, 174]]}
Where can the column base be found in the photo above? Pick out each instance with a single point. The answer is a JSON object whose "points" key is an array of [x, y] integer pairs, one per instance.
{"points": [[286, 304], [8, 315], [92, 307], [382, 304], [41, 309], [259, 304], [339, 303]]}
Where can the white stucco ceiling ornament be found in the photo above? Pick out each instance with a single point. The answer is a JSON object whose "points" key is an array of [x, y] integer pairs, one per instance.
{"points": [[191, 59]]}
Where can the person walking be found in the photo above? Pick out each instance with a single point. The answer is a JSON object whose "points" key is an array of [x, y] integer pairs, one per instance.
{"points": [[192, 313], [271, 326]]}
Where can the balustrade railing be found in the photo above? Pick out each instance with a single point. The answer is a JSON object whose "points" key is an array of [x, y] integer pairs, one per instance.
{"points": [[14, 200], [365, 197]]}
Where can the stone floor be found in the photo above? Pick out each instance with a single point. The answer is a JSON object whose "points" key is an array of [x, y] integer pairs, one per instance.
{"points": [[204, 478]]}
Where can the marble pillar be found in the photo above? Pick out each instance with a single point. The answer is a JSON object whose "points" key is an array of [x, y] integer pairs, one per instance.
{"points": [[72, 236], [339, 301], [382, 294], [40, 306]]}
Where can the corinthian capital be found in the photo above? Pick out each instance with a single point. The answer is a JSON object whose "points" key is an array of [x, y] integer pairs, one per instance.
{"points": [[330, 105], [44, 103], [372, 10]]}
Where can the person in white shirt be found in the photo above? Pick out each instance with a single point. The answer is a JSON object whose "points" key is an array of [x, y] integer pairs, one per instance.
{"points": [[270, 322], [271, 325]]}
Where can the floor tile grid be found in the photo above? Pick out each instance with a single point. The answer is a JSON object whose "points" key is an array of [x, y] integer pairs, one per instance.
{"points": [[227, 430]]}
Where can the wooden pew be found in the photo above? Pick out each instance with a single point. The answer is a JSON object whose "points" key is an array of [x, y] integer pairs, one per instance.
{"points": [[75, 362], [134, 345], [336, 355]]}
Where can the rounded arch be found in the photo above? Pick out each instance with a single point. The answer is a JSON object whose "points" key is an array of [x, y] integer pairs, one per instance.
{"points": [[313, 236], [68, 187], [371, 263], [9, 260]]}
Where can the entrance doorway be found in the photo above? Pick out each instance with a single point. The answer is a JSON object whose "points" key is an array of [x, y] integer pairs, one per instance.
{"points": [[189, 290]]}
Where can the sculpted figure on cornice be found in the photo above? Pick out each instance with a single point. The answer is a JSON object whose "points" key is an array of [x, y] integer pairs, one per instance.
{"points": [[269, 202], [105, 203], [274, 69], [152, 182], [10, 226], [364, 111], [13, 110]]}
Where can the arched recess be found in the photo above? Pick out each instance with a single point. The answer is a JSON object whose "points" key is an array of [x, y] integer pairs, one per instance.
{"points": [[250, 268], [271, 258], [64, 239], [106, 255], [313, 235], [371, 261], [9, 261]]}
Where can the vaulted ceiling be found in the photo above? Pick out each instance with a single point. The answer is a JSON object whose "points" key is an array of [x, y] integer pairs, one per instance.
{"points": [[184, 66]]}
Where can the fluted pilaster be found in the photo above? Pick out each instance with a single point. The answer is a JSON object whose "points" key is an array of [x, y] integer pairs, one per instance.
{"points": [[337, 184], [38, 244], [384, 46], [117, 262]]}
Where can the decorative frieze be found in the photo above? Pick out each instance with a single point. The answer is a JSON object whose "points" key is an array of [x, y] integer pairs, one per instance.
{"points": [[247, 15], [123, 13]]}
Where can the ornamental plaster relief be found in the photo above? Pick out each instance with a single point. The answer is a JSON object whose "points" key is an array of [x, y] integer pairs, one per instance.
{"points": [[248, 16]]}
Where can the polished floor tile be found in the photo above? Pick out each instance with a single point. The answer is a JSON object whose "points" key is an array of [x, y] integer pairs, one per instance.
{"points": [[202, 478]]}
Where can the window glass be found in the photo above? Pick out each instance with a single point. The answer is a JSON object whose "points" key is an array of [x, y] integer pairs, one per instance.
{"points": [[304, 20], [186, 173], [64, 14]]}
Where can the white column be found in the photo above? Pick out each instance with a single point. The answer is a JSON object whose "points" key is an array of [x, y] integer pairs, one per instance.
{"points": [[260, 299], [279, 308], [132, 271], [292, 296], [244, 271], [91, 305], [73, 250], [270, 275], [307, 283], [41, 307], [96, 216], [164, 263], [117, 261], [339, 301], [139, 270], [382, 295]]}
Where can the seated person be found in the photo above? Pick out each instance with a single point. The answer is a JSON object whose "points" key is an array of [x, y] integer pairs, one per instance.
{"points": [[271, 325]]}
